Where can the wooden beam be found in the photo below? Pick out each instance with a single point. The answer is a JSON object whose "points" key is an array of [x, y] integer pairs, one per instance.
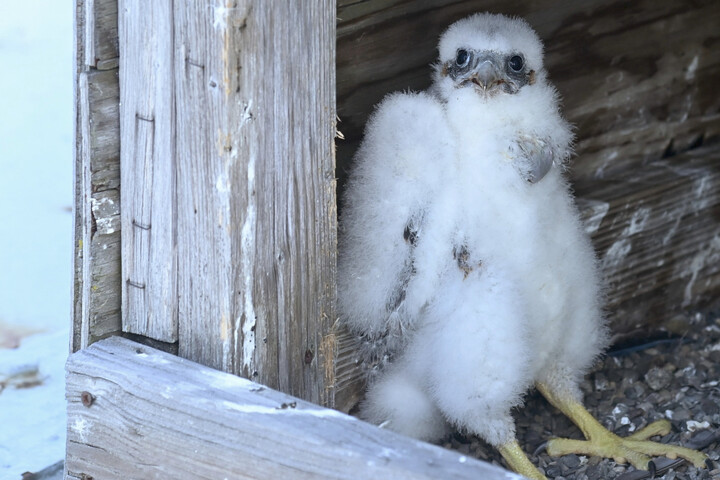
{"points": [[96, 252], [136, 412], [147, 128], [229, 216]]}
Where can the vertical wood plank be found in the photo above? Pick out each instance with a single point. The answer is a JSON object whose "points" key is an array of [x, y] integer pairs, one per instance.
{"points": [[96, 256], [148, 169], [255, 190]]}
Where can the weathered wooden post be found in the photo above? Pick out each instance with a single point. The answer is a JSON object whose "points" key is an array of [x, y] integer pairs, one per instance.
{"points": [[227, 121]]}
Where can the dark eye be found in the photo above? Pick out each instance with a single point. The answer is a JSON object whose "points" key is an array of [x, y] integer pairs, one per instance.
{"points": [[462, 58], [516, 63]]}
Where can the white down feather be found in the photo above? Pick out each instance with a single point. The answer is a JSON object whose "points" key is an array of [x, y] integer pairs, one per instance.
{"points": [[465, 346]]}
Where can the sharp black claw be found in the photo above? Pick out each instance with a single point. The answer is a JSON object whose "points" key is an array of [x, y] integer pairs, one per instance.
{"points": [[652, 469], [540, 448], [663, 465]]}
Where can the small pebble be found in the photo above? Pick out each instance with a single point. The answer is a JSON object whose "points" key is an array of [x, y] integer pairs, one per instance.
{"points": [[658, 378]]}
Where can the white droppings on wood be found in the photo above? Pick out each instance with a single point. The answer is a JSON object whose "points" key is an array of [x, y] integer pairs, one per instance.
{"points": [[223, 183], [246, 113], [80, 426], [247, 238], [671, 231], [693, 425], [692, 68], [702, 187], [623, 245], [219, 379], [594, 211], [637, 222], [617, 252], [706, 256], [106, 213], [286, 410], [220, 13]]}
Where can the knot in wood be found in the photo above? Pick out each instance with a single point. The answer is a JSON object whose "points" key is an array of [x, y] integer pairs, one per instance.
{"points": [[87, 399], [309, 355]]}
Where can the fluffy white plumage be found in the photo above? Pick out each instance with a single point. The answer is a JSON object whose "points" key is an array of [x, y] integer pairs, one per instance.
{"points": [[463, 264]]}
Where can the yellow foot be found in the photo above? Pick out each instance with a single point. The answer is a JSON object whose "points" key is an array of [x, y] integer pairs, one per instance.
{"points": [[518, 461], [635, 449]]}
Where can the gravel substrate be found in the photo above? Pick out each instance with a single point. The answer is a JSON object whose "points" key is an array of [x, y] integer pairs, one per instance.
{"points": [[677, 379]]}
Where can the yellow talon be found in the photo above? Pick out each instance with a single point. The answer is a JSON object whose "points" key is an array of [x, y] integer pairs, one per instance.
{"points": [[635, 449]]}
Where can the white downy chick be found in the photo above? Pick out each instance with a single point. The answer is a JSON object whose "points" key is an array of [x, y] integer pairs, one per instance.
{"points": [[463, 263]]}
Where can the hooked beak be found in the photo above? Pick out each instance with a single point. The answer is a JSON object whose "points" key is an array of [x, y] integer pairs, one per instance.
{"points": [[486, 75]]}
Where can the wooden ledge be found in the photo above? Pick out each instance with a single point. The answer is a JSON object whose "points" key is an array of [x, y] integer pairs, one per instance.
{"points": [[136, 412]]}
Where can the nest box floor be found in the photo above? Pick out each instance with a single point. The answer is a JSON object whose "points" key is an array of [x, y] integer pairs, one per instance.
{"points": [[674, 378]]}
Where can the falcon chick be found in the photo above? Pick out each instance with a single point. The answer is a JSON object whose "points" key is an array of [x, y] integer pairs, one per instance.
{"points": [[463, 263]]}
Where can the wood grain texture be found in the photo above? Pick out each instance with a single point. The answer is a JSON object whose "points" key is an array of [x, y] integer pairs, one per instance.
{"points": [[637, 78], [147, 128], [229, 216], [659, 241], [192, 422], [96, 251], [96, 305], [100, 33], [256, 218]]}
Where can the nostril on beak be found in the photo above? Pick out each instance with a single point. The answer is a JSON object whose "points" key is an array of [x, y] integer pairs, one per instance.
{"points": [[486, 75]]}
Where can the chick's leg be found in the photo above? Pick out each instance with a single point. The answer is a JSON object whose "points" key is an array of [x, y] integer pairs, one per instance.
{"points": [[518, 461], [635, 449]]}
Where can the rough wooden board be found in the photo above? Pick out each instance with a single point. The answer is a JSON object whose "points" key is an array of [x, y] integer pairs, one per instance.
{"points": [[634, 76], [96, 304], [96, 255], [100, 33], [79, 213], [147, 128], [154, 415], [659, 242], [256, 227]]}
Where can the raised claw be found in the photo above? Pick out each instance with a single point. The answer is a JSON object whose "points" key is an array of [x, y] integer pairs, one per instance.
{"points": [[536, 158]]}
